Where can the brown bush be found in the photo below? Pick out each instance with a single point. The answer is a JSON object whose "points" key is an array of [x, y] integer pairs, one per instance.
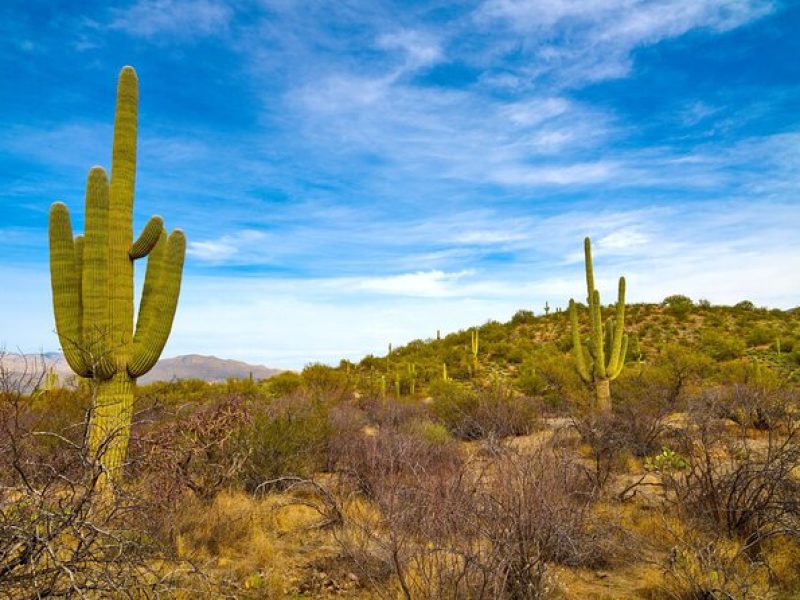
{"points": [[747, 488]]}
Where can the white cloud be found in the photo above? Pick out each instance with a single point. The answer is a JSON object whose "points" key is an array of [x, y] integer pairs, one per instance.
{"points": [[584, 40], [419, 49], [180, 18], [225, 248], [420, 284]]}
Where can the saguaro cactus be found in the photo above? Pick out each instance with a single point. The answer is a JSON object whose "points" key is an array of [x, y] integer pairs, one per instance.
{"points": [[92, 281], [474, 346], [608, 343]]}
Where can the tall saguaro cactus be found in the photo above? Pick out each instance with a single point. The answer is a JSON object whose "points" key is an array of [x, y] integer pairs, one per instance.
{"points": [[608, 342], [92, 281]]}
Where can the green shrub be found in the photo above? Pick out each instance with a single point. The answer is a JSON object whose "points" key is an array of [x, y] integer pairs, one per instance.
{"points": [[430, 432], [326, 383], [522, 317], [286, 438], [678, 306], [760, 335], [284, 384], [720, 346]]}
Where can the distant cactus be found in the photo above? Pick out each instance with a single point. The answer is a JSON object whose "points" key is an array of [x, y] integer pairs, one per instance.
{"points": [[608, 342], [51, 380], [412, 375], [444, 372], [397, 385], [383, 388], [546, 308], [475, 345], [92, 281]]}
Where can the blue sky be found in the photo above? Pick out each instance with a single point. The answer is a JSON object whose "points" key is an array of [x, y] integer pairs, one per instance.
{"points": [[361, 172]]}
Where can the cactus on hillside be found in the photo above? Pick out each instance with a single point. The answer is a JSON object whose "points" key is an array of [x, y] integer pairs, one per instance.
{"points": [[92, 282], [546, 308], [50, 380], [608, 342], [474, 344]]}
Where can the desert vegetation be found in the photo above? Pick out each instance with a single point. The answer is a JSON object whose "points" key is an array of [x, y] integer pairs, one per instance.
{"points": [[502, 480], [650, 452]]}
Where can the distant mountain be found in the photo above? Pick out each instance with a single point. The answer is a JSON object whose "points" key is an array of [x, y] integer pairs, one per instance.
{"points": [[208, 368], [190, 366]]}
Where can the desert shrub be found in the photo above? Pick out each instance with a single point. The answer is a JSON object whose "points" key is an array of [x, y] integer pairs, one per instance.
{"points": [[642, 402], [472, 413], [380, 462], [742, 487], [192, 451], [288, 437], [434, 433], [703, 565], [760, 335], [606, 443], [523, 317], [678, 306], [482, 530], [326, 383], [548, 376], [720, 346], [182, 391], [758, 404], [744, 305], [63, 531], [284, 384]]}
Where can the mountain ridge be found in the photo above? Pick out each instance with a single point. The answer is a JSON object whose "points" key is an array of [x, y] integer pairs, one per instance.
{"points": [[187, 366]]}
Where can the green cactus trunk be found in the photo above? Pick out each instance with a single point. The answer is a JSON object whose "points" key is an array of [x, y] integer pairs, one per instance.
{"points": [[608, 343], [113, 410], [92, 281], [602, 393]]}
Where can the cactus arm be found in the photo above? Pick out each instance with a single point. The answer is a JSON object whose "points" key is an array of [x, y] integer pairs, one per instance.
{"points": [[598, 340], [149, 308], [617, 358], [608, 336], [623, 353], [65, 281], [154, 337], [587, 253], [120, 218], [96, 331], [577, 348], [147, 239]]}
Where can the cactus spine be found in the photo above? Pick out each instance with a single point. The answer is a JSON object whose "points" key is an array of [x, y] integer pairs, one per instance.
{"points": [[92, 282], [608, 343]]}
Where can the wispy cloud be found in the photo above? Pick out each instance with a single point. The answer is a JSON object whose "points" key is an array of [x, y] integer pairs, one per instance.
{"points": [[576, 41], [180, 18]]}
